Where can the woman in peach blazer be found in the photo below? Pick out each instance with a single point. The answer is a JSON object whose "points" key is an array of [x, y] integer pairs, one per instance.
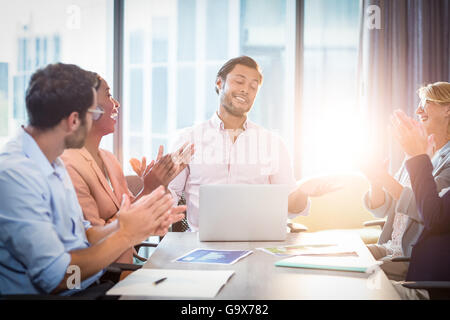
{"points": [[97, 175]]}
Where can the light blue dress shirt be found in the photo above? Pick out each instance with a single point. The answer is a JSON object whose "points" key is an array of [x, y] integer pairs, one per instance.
{"points": [[40, 220]]}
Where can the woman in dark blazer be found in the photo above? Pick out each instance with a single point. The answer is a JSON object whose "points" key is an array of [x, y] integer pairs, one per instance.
{"points": [[430, 257]]}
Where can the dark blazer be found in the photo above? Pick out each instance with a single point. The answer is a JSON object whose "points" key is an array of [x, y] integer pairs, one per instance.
{"points": [[430, 257]]}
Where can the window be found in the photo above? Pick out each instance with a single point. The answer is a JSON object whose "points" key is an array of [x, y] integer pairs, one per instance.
{"points": [[173, 50], [69, 31], [332, 129]]}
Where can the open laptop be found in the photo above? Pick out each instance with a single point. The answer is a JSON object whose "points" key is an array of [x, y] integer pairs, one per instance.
{"points": [[244, 212]]}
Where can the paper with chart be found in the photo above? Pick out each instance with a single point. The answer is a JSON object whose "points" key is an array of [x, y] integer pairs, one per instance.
{"points": [[210, 256], [178, 283], [313, 249]]}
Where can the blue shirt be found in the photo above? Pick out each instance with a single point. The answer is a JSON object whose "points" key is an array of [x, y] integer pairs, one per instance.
{"points": [[41, 221]]}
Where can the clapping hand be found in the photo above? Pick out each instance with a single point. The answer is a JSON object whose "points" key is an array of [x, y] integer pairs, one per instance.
{"points": [[412, 135], [165, 168], [140, 167]]}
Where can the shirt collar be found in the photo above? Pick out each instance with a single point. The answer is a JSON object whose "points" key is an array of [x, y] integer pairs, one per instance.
{"points": [[218, 123], [32, 151]]}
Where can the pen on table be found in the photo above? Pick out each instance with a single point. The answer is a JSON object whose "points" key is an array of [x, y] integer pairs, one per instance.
{"points": [[159, 281]]}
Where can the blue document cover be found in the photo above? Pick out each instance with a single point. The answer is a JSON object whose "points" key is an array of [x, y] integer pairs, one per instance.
{"points": [[213, 256]]}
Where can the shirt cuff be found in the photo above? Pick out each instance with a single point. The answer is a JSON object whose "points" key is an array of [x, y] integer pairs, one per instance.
{"points": [[382, 210], [52, 275], [174, 195], [305, 211]]}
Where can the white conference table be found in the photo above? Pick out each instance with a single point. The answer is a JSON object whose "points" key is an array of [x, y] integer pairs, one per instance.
{"points": [[257, 278]]}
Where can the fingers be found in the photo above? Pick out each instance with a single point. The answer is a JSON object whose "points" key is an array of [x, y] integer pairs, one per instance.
{"points": [[180, 150], [149, 167], [148, 200], [402, 118], [125, 205], [143, 165], [397, 133], [160, 153], [162, 205], [183, 154], [173, 216], [135, 165]]}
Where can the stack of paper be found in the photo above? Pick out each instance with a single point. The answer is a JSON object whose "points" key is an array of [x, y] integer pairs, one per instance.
{"points": [[331, 250], [329, 263], [178, 283]]}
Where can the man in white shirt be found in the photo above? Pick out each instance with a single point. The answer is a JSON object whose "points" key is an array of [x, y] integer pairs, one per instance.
{"points": [[230, 149]]}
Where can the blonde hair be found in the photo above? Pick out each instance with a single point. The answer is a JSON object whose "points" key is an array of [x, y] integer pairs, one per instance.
{"points": [[438, 92]]}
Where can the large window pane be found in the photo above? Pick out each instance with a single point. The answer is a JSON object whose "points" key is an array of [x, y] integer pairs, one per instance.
{"points": [[329, 113], [210, 92], [160, 39], [159, 100], [185, 97], [36, 33], [136, 99], [217, 22], [186, 29], [184, 43]]}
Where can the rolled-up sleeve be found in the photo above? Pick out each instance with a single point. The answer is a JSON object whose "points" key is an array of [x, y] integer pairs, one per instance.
{"points": [[28, 232]]}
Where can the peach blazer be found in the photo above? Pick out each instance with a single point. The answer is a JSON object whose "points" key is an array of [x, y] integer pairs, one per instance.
{"points": [[97, 200]]}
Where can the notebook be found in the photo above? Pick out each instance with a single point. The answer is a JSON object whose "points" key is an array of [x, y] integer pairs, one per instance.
{"points": [[329, 263]]}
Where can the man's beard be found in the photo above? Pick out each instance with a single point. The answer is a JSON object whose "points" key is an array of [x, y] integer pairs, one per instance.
{"points": [[228, 105], [78, 138]]}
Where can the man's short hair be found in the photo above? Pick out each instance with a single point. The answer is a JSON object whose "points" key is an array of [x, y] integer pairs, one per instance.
{"points": [[230, 64], [56, 91]]}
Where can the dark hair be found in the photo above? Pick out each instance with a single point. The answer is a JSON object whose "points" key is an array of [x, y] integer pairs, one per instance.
{"points": [[230, 64], [56, 91]]}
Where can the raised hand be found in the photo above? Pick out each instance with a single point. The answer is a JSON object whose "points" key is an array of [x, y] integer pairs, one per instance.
{"points": [[168, 167], [140, 167], [412, 135]]}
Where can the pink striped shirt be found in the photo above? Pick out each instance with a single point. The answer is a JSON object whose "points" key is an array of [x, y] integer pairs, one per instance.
{"points": [[258, 156]]}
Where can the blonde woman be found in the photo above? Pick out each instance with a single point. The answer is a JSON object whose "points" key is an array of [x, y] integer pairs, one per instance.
{"points": [[393, 198]]}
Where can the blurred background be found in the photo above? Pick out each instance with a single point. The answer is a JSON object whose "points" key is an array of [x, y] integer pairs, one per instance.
{"points": [[333, 69]]}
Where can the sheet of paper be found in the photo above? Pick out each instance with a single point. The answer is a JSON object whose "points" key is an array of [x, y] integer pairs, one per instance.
{"points": [[179, 283], [330, 250], [210, 256]]}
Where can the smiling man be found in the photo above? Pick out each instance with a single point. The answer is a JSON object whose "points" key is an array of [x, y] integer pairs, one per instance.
{"points": [[43, 235], [231, 149]]}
